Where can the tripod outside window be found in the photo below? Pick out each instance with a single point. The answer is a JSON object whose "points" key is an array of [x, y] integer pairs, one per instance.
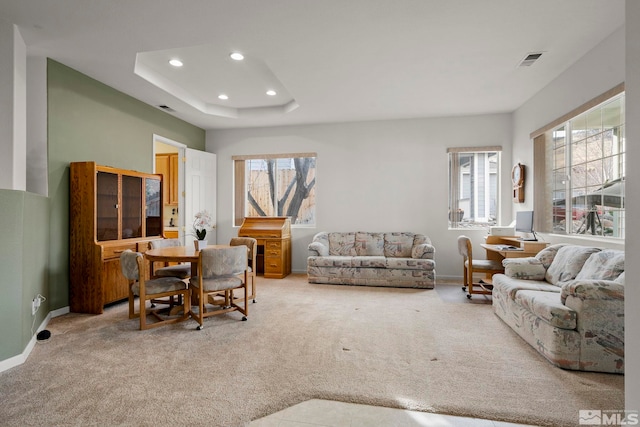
{"points": [[589, 221]]}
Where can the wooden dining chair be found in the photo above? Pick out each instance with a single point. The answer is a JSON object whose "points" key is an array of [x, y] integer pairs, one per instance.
{"points": [[220, 271], [132, 266], [252, 248], [182, 271], [471, 266]]}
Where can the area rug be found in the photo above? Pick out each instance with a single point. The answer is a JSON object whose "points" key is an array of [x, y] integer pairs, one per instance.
{"points": [[401, 348]]}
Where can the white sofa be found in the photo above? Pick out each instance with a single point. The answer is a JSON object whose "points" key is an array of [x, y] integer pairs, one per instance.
{"points": [[568, 303], [372, 259]]}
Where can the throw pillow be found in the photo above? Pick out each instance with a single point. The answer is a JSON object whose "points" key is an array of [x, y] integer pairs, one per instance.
{"points": [[567, 263], [524, 268], [547, 255], [604, 265]]}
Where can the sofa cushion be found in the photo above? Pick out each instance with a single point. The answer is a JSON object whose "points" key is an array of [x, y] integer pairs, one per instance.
{"points": [[368, 261], [410, 263], [607, 264], [547, 306], [369, 244], [398, 244], [524, 268], [567, 263], [510, 286], [547, 255], [329, 261], [342, 244]]}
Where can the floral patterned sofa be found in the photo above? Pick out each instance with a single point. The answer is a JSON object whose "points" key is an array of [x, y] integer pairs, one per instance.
{"points": [[372, 259], [568, 303]]}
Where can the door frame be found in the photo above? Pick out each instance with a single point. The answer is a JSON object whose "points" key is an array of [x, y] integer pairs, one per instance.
{"points": [[180, 148]]}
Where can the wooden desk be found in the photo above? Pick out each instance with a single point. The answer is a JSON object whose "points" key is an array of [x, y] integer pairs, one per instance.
{"points": [[273, 235], [493, 245]]}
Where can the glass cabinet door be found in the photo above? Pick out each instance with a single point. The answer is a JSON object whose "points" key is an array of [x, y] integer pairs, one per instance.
{"points": [[107, 206], [153, 205], [131, 207]]}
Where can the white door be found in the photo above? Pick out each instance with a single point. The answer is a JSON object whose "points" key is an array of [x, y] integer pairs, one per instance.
{"points": [[199, 192]]}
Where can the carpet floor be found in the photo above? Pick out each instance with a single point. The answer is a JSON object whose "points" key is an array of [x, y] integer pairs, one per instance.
{"points": [[426, 350]]}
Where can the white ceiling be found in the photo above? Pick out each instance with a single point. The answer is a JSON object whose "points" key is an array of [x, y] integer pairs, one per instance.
{"points": [[335, 60]]}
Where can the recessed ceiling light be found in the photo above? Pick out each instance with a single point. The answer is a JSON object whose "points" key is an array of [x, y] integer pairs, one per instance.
{"points": [[236, 56], [176, 62], [271, 92], [223, 96]]}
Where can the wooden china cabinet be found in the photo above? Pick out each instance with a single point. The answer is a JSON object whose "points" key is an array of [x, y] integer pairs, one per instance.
{"points": [[110, 210]]}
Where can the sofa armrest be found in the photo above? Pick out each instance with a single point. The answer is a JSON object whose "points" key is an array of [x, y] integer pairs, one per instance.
{"points": [[599, 305], [318, 249], [585, 290], [423, 250], [529, 268]]}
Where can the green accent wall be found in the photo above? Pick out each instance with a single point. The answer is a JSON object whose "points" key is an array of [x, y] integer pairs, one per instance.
{"points": [[23, 262], [90, 121]]}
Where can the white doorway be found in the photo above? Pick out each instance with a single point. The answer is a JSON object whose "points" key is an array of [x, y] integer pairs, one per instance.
{"points": [[196, 189]]}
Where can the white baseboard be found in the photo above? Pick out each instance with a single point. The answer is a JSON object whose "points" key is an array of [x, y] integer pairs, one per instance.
{"points": [[21, 358]]}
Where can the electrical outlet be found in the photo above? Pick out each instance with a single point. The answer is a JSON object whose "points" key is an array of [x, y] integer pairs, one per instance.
{"points": [[35, 304]]}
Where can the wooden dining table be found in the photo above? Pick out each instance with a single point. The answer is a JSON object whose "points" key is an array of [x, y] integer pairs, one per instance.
{"points": [[180, 254], [177, 254]]}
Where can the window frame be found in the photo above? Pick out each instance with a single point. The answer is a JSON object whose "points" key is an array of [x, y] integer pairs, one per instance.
{"points": [[543, 149], [240, 182], [456, 184]]}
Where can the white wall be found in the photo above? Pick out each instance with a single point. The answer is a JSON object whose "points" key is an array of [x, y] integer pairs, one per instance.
{"points": [[37, 170], [371, 176], [13, 108]]}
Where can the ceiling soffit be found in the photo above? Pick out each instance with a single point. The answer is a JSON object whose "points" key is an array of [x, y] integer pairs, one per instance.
{"points": [[208, 72]]}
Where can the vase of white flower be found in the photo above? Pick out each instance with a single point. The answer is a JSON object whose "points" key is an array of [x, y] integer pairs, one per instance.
{"points": [[201, 222]]}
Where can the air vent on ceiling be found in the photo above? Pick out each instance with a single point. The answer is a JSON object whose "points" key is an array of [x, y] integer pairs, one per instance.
{"points": [[167, 108], [530, 59]]}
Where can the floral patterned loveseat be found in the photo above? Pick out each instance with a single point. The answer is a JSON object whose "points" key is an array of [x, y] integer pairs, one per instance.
{"points": [[372, 259], [568, 303]]}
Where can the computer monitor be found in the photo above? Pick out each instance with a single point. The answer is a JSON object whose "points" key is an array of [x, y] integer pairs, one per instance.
{"points": [[524, 224]]}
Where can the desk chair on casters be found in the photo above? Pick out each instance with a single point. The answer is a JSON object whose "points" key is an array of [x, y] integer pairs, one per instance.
{"points": [[470, 265]]}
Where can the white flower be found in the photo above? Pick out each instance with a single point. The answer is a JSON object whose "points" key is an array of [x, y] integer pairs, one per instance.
{"points": [[201, 223]]}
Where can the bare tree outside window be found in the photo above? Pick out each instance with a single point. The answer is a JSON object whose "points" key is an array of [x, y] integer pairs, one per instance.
{"points": [[277, 186]]}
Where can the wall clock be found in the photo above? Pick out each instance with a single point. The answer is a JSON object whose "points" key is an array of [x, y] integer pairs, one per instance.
{"points": [[517, 178]]}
